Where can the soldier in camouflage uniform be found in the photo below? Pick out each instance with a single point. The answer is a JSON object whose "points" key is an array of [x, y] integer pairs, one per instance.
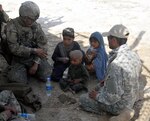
{"points": [[121, 84], [9, 107], [28, 44], [3, 63]]}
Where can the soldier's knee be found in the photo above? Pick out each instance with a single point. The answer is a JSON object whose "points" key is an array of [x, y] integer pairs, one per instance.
{"points": [[83, 99], [17, 77]]}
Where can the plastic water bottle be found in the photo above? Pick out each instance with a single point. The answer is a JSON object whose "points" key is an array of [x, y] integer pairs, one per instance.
{"points": [[48, 86], [27, 116], [65, 74]]}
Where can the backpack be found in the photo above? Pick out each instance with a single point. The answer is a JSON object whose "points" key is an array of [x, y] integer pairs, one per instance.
{"points": [[24, 94]]}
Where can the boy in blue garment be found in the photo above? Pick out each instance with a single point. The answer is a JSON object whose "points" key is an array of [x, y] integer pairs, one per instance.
{"points": [[96, 57], [61, 53]]}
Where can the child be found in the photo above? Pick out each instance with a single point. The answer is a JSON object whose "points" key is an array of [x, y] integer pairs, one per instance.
{"points": [[61, 53], [77, 74], [96, 57]]}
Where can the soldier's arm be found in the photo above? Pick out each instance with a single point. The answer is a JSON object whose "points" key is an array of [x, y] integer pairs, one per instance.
{"points": [[14, 46], [112, 90], [37, 60], [41, 38], [41, 42]]}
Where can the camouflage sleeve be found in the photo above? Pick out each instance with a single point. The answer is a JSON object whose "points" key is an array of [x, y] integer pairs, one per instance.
{"points": [[112, 90], [41, 38], [15, 48], [37, 60], [41, 42]]}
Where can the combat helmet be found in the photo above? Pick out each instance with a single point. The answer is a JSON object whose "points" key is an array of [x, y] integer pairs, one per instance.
{"points": [[29, 9]]}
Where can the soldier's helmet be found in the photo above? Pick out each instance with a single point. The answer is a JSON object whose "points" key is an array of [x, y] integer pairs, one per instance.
{"points": [[29, 9]]}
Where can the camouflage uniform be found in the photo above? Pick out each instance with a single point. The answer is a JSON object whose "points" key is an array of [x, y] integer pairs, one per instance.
{"points": [[8, 98], [22, 41], [3, 63], [121, 83]]}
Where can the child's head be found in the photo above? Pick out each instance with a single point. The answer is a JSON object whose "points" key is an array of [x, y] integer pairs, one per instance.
{"points": [[76, 57], [94, 42], [68, 36]]}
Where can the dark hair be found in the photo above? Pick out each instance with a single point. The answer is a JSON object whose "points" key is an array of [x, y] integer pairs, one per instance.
{"points": [[93, 38], [68, 32], [120, 41]]}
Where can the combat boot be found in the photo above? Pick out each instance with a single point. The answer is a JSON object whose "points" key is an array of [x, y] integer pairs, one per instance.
{"points": [[125, 115]]}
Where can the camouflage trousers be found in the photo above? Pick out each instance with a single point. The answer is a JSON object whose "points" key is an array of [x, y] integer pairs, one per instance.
{"points": [[19, 72], [8, 98], [94, 106]]}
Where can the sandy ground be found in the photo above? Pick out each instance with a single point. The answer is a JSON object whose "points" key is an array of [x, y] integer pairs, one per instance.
{"points": [[87, 16]]}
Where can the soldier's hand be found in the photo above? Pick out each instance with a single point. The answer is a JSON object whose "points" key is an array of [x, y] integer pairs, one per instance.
{"points": [[33, 69], [41, 53], [8, 113], [93, 94], [12, 109]]}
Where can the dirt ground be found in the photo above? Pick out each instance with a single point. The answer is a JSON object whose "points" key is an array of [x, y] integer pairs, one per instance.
{"points": [[87, 16]]}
